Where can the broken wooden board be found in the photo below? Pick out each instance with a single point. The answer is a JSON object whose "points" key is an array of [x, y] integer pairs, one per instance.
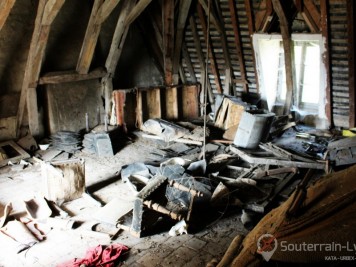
{"points": [[247, 155], [11, 153]]}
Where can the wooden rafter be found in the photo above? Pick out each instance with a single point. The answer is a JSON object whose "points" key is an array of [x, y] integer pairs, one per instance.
{"points": [[351, 45], [238, 44], [213, 65], [229, 72], [205, 83], [5, 8], [326, 58], [137, 10], [310, 13], [213, 17], [264, 16], [100, 11], [46, 13], [184, 6], [288, 58], [251, 30]]}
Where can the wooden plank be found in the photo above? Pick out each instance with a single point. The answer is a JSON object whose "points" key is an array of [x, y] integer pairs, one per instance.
{"points": [[154, 103], [351, 56], [139, 114], [213, 17], [90, 40], [278, 162], [213, 65], [171, 103], [184, 7], [105, 10], [204, 82], [238, 45], [168, 40], [288, 56], [326, 59], [5, 8], [120, 98], [310, 21], [188, 62], [190, 99], [251, 30], [70, 76], [137, 10]]}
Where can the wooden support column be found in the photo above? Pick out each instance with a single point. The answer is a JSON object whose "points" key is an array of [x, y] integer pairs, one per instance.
{"points": [[288, 56], [238, 45], [201, 60], [5, 8], [190, 99], [46, 13], [351, 45], [251, 30], [139, 114], [100, 12], [154, 103], [214, 68], [326, 59], [184, 6]]}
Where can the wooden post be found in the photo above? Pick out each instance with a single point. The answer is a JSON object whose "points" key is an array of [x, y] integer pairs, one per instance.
{"points": [[288, 55], [351, 45], [190, 98], [5, 8], [154, 103], [326, 59]]}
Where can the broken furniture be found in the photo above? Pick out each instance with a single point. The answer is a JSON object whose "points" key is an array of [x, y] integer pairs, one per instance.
{"points": [[150, 205], [343, 152], [11, 152]]}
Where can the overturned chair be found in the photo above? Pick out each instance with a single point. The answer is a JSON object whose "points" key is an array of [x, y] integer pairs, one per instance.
{"points": [[316, 224]]}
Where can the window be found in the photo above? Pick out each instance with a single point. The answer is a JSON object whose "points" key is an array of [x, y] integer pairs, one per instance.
{"points": [[309, 76]]}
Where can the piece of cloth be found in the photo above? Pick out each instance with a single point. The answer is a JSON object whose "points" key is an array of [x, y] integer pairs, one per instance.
{"points": [[103, 256]]}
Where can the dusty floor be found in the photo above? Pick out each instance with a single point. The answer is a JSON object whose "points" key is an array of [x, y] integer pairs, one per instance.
{"points": [[104, 183]]}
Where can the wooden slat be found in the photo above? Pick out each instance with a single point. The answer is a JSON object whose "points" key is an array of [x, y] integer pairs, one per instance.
{"points": [[204, 82], [237, 41], [326, 58], [213, 65], [137, 10], [168, 40], [288, 57], [190, 105], [5, 8], [105, 10], [184, 6], [351, 55], [70, 76], [154, 103], [90, 40]]}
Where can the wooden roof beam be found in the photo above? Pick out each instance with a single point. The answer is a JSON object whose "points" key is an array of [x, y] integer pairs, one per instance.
{"points": [[5, 8], [137, 10], [213, 17], [288, 59], [46, 13]]}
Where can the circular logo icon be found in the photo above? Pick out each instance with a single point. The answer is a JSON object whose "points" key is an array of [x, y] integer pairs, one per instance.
{"points": [[266, 246]]}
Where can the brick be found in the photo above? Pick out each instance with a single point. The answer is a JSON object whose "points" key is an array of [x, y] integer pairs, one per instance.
{"points": [[177, 241], [154, 258]]}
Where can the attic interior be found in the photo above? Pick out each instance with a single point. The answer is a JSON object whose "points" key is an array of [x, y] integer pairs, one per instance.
{"points": [[177, 132]]}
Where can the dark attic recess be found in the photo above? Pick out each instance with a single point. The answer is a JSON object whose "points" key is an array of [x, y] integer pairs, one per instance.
{"points": [[177, 133]]}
